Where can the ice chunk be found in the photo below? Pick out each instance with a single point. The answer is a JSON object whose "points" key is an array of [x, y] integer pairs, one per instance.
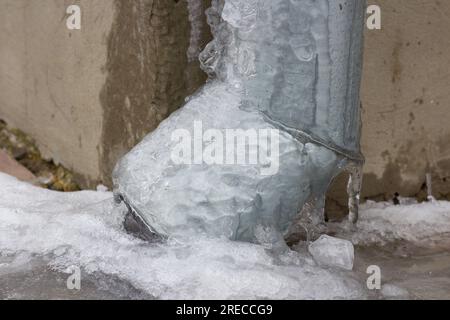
{"points": [[333, 252]]}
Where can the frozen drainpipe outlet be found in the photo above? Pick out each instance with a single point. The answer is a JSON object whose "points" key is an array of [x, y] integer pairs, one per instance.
{"points": [[259, 145]]}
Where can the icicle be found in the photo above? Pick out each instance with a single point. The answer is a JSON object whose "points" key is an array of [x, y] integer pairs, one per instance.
{"points": [[354, 191], [429, 183], [195, 9]]}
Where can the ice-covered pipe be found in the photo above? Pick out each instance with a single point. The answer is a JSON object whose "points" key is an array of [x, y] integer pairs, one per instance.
{"points": [[284, 78]]}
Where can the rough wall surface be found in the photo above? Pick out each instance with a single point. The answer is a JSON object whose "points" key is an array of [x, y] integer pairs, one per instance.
{"points": [[50, 77], [406, 99]]}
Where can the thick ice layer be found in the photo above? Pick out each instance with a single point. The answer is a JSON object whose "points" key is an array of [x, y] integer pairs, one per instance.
{"points": [[225, 200], [83, 229], [284, 66]]}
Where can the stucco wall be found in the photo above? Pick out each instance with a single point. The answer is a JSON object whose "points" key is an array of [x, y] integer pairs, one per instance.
{"points": [[406, 99], [50, 77], [88, 96]]}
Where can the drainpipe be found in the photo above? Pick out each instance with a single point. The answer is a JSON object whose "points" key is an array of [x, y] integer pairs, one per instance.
{"points": [[287, 71]]}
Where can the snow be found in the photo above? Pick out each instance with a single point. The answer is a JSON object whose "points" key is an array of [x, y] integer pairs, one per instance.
{"points": [[84, 229], [195, 9], [288, 68], [385, 222]]}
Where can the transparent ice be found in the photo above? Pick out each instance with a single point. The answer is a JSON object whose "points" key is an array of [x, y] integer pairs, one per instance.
{"points": [[333, 252], [287, 65]]}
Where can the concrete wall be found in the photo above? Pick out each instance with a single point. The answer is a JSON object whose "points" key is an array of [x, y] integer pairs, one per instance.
{"points": [[88, 96], [406, 99], [406, 102]]}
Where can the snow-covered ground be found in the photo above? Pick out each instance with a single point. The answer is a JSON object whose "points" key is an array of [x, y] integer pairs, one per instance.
{"points": [[381, 223], [43, 233], [384, 222]]}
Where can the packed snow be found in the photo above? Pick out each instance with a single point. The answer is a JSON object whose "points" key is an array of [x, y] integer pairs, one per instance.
{"points": [[384, 222], [47, 230], [84, 229], [331, 251], [284, 71]]}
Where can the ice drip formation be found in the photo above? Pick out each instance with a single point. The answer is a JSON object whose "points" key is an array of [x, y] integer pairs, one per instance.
{"points": [[286, 66]]}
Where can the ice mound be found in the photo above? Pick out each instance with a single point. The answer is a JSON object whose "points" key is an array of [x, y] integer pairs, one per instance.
{"points": [[333, 252], [85, 229], [385, 222]]}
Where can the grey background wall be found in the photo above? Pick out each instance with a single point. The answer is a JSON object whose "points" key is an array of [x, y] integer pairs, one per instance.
{"points": [[88, 96]]}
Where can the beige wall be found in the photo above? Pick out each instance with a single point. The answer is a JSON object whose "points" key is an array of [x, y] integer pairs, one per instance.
{"points": [[88, 96], [148, 73], [406, 98], [51, 77]]}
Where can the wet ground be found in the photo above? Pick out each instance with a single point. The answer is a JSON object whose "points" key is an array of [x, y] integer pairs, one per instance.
{"points": [[36, 280], [423, 270]]}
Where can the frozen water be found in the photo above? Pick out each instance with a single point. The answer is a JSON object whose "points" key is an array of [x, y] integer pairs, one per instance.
{"points": [[384, 222], [390, 291], [43, 231], [290, 67], [333, 252]]}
